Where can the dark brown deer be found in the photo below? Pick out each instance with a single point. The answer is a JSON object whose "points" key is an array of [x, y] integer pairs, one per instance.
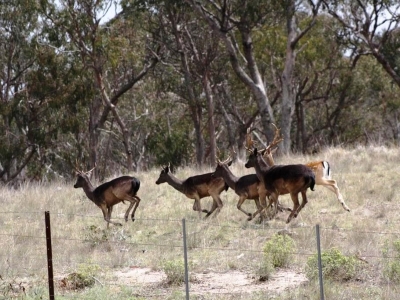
{"points": [[110, 193], [321, 168], [246, 187], [197, 187], [283, 179]]}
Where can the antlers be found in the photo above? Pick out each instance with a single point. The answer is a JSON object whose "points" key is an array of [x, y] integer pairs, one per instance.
{"points": [[277, 139], [226, 160], [250, 143], [88, 173]]}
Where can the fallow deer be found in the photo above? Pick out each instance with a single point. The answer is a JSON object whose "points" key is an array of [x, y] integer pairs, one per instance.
{"points": [[110, 193], [283, 179], [320, 168], [197, 187], [246, 187]]}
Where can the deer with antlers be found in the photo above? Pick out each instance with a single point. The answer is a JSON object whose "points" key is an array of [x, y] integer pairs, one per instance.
{"points": [[320, 168], [246, 187], [110, 193], [197, 187], [283, 179]]}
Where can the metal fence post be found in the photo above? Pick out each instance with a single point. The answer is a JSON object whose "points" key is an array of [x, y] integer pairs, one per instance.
{"points": [[49, 255], [321, 281], [185, 259]]}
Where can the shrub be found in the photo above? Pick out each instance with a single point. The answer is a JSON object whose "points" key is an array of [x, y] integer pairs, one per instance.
{"points": [[175, 271], [83, 277], [391, 269], [279, 249], [335, 266]]}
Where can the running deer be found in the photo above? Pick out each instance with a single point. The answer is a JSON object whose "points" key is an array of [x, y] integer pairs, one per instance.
{"points": [[283, 179], [320, 168], [110, 193], [246, 187], [197, 187]]}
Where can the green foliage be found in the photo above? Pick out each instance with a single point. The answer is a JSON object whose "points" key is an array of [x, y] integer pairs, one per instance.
{"points": [[391, 263], [82, 278], [175, 271], [335, 266], [279, 250], [169, 148]]}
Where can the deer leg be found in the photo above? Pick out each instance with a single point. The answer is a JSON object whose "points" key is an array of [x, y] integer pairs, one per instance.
{"points": [[332, 186], [136, 206], [217, 205], [197, 207], [296, 205], [261, 209], [107, 215], [239, 205], [132, 203], [303, 202]]}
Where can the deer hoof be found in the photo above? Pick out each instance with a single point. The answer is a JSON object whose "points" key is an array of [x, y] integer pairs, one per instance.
{"points": [[133, 219]]}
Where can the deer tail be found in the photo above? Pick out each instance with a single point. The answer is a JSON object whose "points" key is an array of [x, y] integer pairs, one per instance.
{"points": [[312, 182], [135, 185]]}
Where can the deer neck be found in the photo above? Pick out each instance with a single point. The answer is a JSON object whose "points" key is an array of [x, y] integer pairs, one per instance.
{"points": [[88, 189], [175, 183], [229, 178], [261, 167]]}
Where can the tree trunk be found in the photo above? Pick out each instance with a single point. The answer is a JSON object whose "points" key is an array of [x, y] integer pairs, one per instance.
{"points": [[211, 123]]}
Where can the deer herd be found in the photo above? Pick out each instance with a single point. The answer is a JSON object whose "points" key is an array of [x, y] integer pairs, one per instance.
{"points": [[264, 187]]}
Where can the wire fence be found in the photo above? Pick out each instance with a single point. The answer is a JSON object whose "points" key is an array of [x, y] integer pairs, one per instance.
{"points": [[136, 254]]}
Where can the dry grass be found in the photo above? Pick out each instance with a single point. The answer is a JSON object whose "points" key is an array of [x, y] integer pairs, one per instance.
{"points": [[367, 178]]}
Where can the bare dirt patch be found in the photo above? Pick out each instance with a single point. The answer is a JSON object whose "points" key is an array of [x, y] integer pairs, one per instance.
{"points": [[214, 282]]}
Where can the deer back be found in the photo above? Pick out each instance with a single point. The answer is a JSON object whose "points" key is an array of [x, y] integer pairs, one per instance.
{"points": [[203, 184], [117, 189], [289, 178]]}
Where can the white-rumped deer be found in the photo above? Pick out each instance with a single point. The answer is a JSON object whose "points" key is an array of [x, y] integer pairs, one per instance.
{"points": [[246, 187], [110, 193], [320, 168], [197, 187], [283, 179]]}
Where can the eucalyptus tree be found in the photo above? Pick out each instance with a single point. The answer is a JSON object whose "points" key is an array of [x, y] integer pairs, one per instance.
{"points": [[104, 50], [367, 26], [22, 115], [234, 22], [192, 52]]}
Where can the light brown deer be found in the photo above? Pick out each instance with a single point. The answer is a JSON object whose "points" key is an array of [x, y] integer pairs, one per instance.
{"points": [[320, 168], [197, 187], [246, 187], [283, 179], [110, 193]]}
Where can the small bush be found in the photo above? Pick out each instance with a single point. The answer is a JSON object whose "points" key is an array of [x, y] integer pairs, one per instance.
{"points": [[335, 266], [175, 271], [265, 271], [84, 277], [279, 249], [391, 264]]}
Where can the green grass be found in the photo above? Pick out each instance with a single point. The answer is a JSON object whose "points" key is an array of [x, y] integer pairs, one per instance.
{"points": [[367, 177]]}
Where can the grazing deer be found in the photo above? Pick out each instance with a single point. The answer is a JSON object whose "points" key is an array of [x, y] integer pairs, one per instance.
{"points": [[283, 179], [246, 187], [197, 187], [110, 193], [320, 168]]}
